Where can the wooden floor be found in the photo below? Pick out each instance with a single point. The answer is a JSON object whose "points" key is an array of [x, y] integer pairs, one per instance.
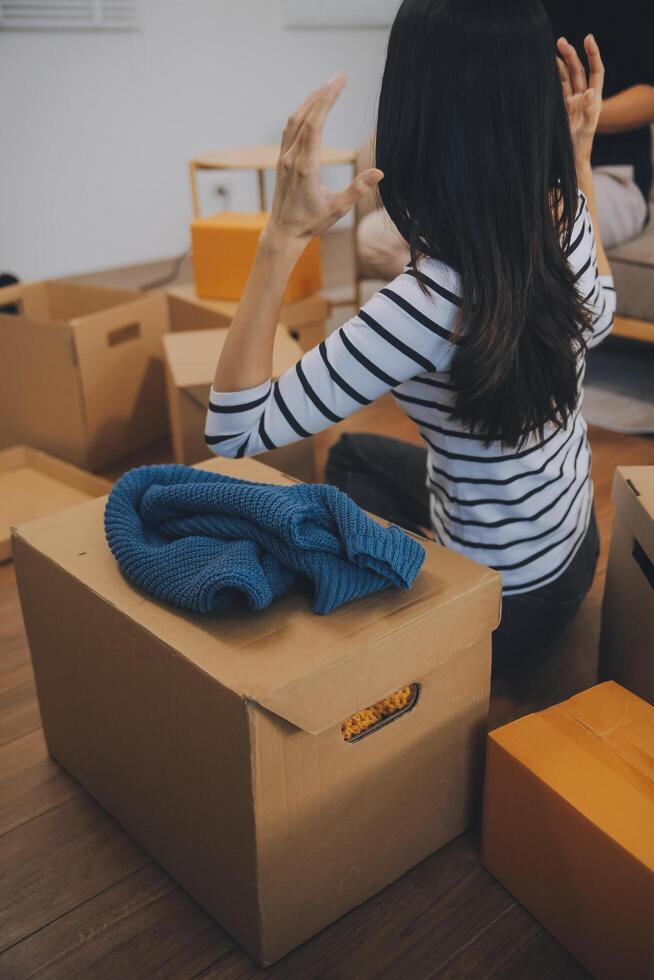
{"points": [[78, 898]]}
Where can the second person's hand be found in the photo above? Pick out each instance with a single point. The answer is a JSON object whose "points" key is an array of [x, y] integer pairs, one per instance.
{"points": [[302, 206], [583, 96]]}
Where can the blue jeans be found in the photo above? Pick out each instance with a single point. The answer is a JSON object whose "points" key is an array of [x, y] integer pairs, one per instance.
{"points": [[387, 477]]}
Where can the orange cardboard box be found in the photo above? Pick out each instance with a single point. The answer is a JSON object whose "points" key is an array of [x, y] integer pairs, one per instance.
{"points": [[224, 246], [81, 370], [216, 741], [627, 637], [569, 825]]}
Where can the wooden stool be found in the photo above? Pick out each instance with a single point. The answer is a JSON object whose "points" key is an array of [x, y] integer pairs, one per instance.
{"points": [[261, 159]]}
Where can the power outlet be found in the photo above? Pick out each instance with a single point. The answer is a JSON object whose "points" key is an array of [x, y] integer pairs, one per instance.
{"points": [[224, 194]]}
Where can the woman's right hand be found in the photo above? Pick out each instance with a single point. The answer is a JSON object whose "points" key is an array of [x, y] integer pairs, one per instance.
{"points": [[302, 206], [583, 96]]}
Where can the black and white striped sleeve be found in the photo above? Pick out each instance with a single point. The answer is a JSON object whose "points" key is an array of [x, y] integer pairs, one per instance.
{"points": [[398, 334], [597, 291]]}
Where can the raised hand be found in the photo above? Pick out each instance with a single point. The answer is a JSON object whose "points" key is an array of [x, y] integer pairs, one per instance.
{"points": [[302, 206], [583, 96]]}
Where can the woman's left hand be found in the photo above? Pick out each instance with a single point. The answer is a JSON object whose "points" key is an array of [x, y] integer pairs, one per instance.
{"points": [[302, 206]]}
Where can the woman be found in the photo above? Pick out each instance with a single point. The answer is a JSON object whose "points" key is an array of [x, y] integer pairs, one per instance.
{"points": [[482, 340]]}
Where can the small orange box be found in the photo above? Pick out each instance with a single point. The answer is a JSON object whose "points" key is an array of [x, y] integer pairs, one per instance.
{"points": [[569, 825], [224, 246]]}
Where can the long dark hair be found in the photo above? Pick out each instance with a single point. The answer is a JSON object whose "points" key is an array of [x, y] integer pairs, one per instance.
{"points": [[475, 145]]}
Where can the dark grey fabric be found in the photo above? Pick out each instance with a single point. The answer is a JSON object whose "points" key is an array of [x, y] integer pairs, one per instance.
{"points": [[387, 477], [619, 386]]}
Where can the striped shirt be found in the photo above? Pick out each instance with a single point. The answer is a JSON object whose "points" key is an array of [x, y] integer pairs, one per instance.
{"points": [[521, 511]]}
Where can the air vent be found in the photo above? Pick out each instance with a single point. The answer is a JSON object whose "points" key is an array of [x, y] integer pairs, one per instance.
{"points": [[69, 15], [339, 13]]}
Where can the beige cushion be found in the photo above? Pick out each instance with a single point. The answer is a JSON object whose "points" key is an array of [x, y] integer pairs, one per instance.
{"points": [[632, 264], [365, 160]]}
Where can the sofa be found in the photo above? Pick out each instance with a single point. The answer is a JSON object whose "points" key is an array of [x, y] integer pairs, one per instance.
{"points": [[633, 270], [632, 264]]}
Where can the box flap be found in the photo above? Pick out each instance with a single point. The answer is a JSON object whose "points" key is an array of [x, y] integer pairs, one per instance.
{"points": [[633, 494], [595, 750], [59, 302], [71, 301], [187, 314], [122, 341], [33, 484], [26, 298], [199, 396], [314, 671], [311, 309], [39, 355], [192, 355]]}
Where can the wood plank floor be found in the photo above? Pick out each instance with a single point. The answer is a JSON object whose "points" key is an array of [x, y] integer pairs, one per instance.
{"points": [[79, 899]]}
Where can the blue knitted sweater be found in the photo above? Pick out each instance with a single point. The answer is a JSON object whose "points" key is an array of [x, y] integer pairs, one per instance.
{"points": [[200, 540]]}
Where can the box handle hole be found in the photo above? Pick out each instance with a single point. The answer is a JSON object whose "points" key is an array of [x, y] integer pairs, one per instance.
{"points": [[379, 714], [121, 334], [644, 563], [13, 309]]}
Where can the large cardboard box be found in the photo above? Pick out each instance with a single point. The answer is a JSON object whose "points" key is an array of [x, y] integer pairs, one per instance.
{"points": [[216, 740], [569, 826], [224, 248], [627, 636], [191, 358], [81, 371], [305, 319], [33, 484]]}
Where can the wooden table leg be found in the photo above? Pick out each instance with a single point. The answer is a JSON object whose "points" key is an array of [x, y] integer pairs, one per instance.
{"points": [[262, 189], [195, 199], [355, 263]]}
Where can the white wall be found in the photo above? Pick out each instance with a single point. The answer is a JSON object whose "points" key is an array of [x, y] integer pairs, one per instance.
{"points": [[96, 129]]}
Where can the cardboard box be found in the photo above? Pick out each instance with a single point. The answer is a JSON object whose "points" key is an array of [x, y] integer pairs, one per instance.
{"points": [[216, 741], [81, 371], [224, 246], [33, 484], [191, 359], [305, 319], [569, 825], [627, 636]]}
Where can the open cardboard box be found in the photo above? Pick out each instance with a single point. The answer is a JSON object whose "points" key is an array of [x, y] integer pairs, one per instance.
{"points": [[81, 370], [627, 636], [33, 484], [304, 319], [191, 358], [569, 825], [216, 740]]}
